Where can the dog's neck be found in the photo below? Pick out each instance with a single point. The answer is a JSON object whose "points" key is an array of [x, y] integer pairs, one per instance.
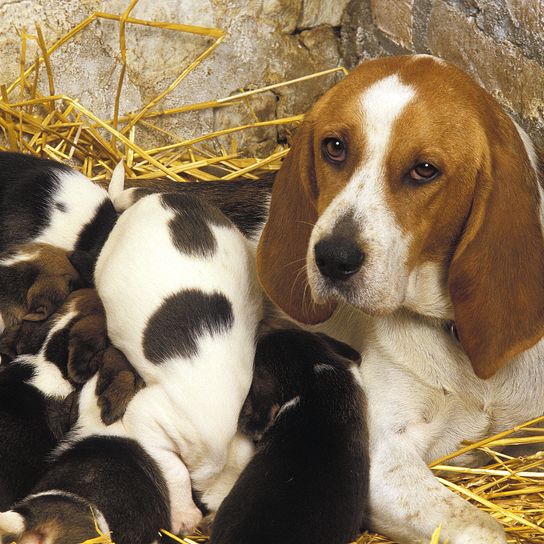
{"points": [[427, 292]]}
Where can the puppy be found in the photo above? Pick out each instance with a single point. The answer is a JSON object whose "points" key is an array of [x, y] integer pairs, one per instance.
{"points": [[35, 279], [79, 349], [308, 481], [85, 491], [33, 416], [245, 202], [47, 202], [182, 302], [37, 408]]}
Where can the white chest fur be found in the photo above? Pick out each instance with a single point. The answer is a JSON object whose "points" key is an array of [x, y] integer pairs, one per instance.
{"points": [[421, 387]]}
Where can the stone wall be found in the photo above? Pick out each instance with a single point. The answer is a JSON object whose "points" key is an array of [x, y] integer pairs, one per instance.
{"points": [[267, 41], [499, 42]]}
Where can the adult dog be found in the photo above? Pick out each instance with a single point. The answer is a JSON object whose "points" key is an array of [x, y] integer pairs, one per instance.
{"points": [[408, 218]]}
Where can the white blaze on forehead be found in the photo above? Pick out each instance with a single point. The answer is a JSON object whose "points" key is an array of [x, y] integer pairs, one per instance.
{"points": [[384, 243], [382, 104]]}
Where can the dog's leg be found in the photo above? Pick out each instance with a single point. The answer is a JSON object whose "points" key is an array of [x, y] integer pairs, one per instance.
{"points": [[408, 503], [185, 515]]}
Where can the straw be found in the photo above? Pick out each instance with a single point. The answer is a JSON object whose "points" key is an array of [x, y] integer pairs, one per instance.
{"points": [[58, 126]]}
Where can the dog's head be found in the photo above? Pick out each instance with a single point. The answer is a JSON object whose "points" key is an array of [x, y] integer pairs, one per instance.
{"points": [[408, 186]]}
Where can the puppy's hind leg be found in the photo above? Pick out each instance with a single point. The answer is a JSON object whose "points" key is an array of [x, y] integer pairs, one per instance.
{"points": [[185, 515]]}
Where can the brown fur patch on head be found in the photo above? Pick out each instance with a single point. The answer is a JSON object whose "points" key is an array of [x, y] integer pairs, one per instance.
{"points": [[46, 278]]}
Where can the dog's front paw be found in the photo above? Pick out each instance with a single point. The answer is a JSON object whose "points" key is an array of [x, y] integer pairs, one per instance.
{"points": [[481, 529]]}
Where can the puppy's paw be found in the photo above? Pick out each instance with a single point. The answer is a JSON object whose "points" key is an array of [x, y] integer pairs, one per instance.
{"points": [[184, 522]]}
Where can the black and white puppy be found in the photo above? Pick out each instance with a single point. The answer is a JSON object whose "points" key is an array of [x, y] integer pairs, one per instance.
{"points": [[182, 302], [38, 387], [100, 483], [308, 481], [48, 202], [34, 415]]}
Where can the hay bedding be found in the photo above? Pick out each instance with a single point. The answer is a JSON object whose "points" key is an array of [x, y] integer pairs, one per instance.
{"points": [[57, 126]]}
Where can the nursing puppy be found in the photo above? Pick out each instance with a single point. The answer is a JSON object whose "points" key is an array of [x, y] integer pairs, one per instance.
{"points": [[35, 279], [34, 414], [183, 304], [48, 202], [85, 491], [308, 481]]}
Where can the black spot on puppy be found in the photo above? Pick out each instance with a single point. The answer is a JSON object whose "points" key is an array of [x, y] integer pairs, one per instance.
{"points": [[243, 201], [190, 228], [57, 348], [94, 233], [61, 207], [173, 330]]}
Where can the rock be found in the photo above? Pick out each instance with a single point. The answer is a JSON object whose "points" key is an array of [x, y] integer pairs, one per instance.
{"points": [[394, 19]]}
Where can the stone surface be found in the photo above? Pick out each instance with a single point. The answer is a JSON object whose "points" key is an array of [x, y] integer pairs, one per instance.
{"points": [[394, 19], [516, 81], [499, 42], [266, 41], [360, 39], [528, 14], [284, 14], [322, 12]]}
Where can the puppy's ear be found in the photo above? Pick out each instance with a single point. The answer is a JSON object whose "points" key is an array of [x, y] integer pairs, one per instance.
{"points": [[343, 350], [46, 295], [496, 277], [86, 341], [117, 383], [281, 253]]}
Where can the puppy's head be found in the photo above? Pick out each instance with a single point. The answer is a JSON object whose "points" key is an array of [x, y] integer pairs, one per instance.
{"points": [[408, 186], [283, 362]]}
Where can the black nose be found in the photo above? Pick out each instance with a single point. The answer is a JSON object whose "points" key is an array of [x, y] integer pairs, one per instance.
{"points": [[338, 258]]}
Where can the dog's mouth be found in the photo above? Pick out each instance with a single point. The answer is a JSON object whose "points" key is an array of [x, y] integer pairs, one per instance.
{"points": [[371, 289]]}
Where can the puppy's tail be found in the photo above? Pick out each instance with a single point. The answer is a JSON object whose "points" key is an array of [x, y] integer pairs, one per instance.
{"points": [[12, 523], [122, 198], [117, 182]]}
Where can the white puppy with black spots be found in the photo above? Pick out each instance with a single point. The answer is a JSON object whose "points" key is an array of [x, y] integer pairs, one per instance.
{"points": [[182, 302]]}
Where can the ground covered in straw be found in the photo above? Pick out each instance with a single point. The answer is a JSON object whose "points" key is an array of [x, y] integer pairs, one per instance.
{"points": [[50, 124]]}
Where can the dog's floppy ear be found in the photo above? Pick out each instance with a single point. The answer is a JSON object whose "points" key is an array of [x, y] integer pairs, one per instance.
{"points": [[342, 349], [496, 277], [281, 254]]}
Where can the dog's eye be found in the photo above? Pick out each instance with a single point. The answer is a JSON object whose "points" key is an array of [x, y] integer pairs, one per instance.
{"points": [[334, 150], [423, 172]]}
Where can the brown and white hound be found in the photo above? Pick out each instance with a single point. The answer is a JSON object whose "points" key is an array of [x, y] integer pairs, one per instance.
{"points": [[407, 219]]}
